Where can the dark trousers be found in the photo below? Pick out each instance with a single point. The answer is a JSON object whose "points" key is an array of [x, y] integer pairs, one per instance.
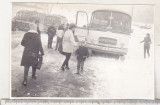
{"points": [[80, 65], [50, 40], [26, 69], [58, 43], [66, 61], [146, 49]]}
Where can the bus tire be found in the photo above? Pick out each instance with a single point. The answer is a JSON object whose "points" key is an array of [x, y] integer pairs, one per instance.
{"points": [[122, 57], [117, 57], [90, 52]]}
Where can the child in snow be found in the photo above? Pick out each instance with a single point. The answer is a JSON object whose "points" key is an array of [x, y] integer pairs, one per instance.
{"points": [[82, 53]]}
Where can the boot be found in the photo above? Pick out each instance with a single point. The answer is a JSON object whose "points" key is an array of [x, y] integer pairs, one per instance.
{"points": [[67, 68], [26, 69], [34, 73], [62, 68], [77, 71]]}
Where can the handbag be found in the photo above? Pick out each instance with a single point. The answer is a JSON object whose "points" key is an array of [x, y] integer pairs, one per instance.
{"points": [[39, 63]]}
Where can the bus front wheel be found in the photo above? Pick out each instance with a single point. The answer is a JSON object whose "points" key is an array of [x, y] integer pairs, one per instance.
{"points": [[122, 57], [90, 52]]}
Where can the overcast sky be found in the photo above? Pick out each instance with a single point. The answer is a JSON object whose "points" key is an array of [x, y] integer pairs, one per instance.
{"points": [[139, 13]]}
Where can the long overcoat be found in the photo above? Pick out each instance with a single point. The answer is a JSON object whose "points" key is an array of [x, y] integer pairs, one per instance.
{"points": [[32, 48], [68, 42], [51, 31]]}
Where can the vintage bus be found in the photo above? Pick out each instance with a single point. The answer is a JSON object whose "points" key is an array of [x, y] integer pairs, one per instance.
{"points": [[24, 17], [108, 31], [21, 21], [56, 19]]}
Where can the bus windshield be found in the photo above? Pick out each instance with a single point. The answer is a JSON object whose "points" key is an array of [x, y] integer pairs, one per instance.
{"points": [[114, 21]]}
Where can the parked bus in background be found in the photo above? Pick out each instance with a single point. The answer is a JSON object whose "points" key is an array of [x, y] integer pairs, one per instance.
{"points": [[22, 20], [56, 19], [24, 17], [109, 31]]}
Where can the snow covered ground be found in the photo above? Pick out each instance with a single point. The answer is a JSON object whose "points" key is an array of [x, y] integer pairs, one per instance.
{"points": [[104, 77]]}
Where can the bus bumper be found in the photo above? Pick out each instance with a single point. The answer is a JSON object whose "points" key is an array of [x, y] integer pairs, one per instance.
{"points": [[107, 49]]}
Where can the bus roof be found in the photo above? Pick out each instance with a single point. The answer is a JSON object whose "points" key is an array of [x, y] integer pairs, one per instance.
{"points": [[27, 11], [129, 14], [59, 16]]}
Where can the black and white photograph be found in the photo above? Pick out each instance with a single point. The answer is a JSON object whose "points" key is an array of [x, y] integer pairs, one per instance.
{"points": [[90, 51]]}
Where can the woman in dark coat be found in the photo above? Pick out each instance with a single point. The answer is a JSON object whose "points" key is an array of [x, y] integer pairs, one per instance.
{"points": [[147, 42], [32, 50]]}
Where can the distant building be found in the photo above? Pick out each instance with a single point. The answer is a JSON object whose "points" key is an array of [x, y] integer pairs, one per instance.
{"points": [[38, 7]]}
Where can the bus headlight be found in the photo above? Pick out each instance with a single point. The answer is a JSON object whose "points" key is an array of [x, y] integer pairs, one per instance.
{"points": [[122, 45]]}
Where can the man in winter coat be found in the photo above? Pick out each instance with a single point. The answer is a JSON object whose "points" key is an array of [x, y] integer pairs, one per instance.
{"points": [[32, 47], [51, 33]]}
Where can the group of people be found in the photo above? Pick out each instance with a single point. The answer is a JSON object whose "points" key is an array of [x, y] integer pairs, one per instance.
{"points": [[33, 50]]}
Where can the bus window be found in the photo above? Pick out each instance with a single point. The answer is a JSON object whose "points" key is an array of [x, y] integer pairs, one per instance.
{"points": [[114, 21], [100, 19], [18, 15], [57, 21], [25, 16], [121, 22]]}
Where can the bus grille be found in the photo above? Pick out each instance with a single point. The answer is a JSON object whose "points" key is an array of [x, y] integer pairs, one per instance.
{"points": [[105, 40]]}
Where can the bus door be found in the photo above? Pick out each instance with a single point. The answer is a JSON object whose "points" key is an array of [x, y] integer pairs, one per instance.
{"points": [[81, 30]]}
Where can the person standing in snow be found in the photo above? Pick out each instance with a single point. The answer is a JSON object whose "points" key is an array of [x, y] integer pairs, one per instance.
{"points": [[32, 47], [82, 53], [68, 46], [51, 33], [60, 33], [40, 58], [147, 42]]}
